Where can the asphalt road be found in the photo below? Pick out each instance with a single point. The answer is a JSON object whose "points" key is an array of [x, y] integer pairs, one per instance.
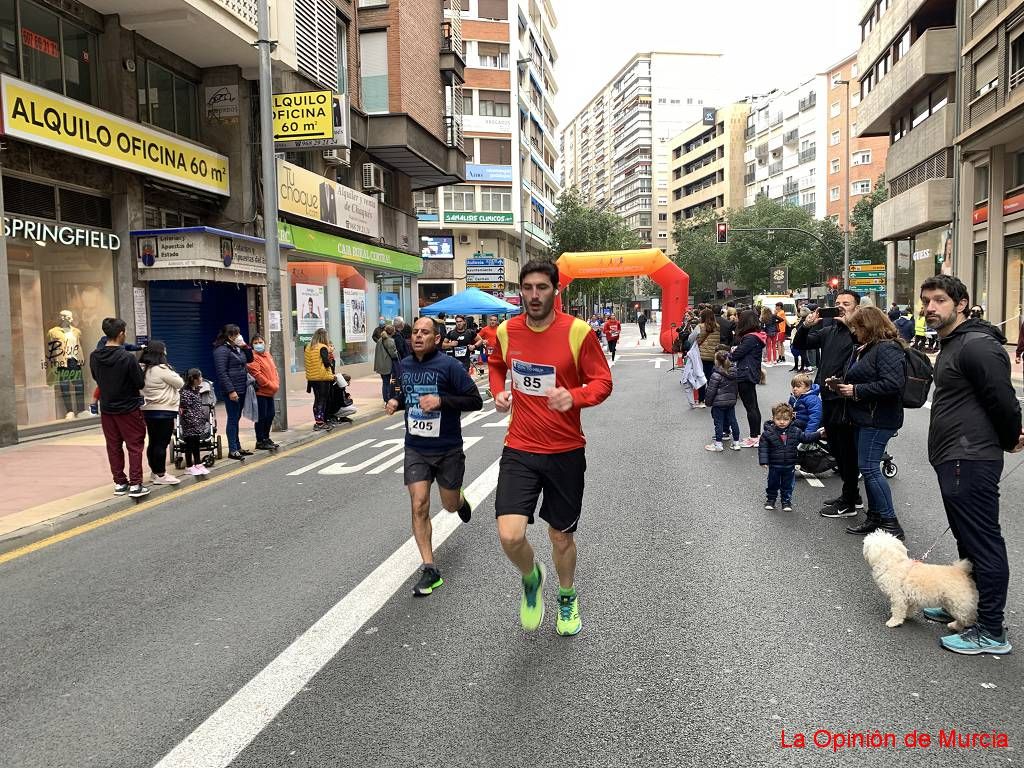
{"points": [[710, 625]]}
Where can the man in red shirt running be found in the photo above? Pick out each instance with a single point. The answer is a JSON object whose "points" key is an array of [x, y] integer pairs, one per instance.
{"points": [[612, 329], [488, 336], [557, 368]]}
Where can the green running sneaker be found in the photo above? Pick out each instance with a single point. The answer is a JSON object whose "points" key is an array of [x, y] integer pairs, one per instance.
{"points": [[430, 579], [531, 607], [568, 613]]}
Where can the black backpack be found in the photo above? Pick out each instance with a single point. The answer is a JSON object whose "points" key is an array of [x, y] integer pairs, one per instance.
{"points": [[920, 375]]}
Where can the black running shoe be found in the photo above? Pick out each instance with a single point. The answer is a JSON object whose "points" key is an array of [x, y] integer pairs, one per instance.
{"points": [[430, 579], [465, 510], [858, 504], [842, 509]]}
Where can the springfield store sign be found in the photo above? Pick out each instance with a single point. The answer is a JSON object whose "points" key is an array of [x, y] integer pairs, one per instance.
{"points": [[82, 237], [43, 117]]}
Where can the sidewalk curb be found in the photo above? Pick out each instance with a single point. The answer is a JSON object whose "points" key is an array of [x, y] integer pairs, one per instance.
{"points": [[40, 531]]}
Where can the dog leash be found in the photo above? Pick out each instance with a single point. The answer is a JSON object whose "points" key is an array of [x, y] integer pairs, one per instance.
{"points": [[934, 544]]}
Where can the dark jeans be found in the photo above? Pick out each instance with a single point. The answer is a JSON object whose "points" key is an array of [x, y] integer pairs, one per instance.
{"points": [[265, 405], [611, 346], [160, 432], [970, 494], [643, 330], [709, 368], [842, 443], [781, 480], [192, 450], [748, 394], [724, 417], [385, 386], [128, 430], [871, 445], [321, 394], [234, 411]]}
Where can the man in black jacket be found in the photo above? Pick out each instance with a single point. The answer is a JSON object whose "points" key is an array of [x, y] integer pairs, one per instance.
{"points": [[119, 377], [726, 327], [836, 344], [975, 419]]}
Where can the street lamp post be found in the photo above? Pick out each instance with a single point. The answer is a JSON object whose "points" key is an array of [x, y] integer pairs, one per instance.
{"points": [[846, 182], [520, 64]]}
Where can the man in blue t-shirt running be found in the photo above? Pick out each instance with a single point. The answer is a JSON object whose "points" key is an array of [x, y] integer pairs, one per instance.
{"points": [[434, 392]]}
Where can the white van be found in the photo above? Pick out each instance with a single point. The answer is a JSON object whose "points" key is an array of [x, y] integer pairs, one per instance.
{"points": [[788, 305]]}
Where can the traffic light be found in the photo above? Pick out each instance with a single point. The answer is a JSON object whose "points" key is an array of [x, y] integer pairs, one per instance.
{"points": [[722, 232], [833, 282]]}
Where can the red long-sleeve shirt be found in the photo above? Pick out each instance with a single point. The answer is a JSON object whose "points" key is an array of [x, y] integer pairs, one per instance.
{"points": [[565, 354]]}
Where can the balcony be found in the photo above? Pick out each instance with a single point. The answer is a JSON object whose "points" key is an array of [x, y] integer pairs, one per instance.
{"points": [[791, 137], [930, 137], [811, 208], [808, 101], [921, 207], [749, 131], [930, 59], [453, 131], [749, 178], [775, 168], [807, 155], [761, 152], [452, 61], [790, 188]]}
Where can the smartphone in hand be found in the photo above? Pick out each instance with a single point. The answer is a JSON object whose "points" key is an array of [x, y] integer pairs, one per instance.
{"points": [[832, 312]]}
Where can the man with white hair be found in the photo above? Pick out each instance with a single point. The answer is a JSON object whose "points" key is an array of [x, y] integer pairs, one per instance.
{"points": [[402, 335]]}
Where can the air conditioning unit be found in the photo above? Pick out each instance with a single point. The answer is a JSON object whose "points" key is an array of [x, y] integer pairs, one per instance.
{"points": [[463, 239], [373, 177], [341, 156]]}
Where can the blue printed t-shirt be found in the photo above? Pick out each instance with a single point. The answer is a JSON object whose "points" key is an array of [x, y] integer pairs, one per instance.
{"points": [[438, 431]]}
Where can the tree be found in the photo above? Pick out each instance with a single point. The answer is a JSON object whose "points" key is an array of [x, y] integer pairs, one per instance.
{"points": [[579, 228], [699, 254]]}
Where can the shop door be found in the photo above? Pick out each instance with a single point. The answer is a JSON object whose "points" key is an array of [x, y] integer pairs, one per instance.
{"points": [[187, 317]]}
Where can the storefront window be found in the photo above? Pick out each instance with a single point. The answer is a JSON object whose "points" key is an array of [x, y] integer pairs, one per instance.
{"points": [[932, 254], [8, 38], [59, 297], [394, 297], [335, 297], [40, 47], [1014, 292], [979, 281], [906, 291], [55, 53]]}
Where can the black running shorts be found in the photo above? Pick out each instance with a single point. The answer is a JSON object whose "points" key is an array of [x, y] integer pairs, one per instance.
{"points": [[448, 469], [522, 477]]}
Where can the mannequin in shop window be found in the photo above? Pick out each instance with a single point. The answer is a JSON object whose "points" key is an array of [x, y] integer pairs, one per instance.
{"points": [[64, 357]]}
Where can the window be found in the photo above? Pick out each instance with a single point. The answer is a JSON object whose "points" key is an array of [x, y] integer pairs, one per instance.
{"points": [[902, 46], [372, 3], [493, 56], [662, 217], [166, 100], [836, 77], [496, 198], [425, 201], [342, 35], [460, 198], [834, 138], [316, 41], [860, 187], [663, 235], [1018, 170], [55, 53], [493, 9], [834, 110], [855, 99], [854, 70], [979, 3], [920, 112], [495, 152], [834, 165], [374, 71], [833, 194], [1016, 61], [863, 157], [662, 201], [495, 103], [986, 76], [980, 183]]}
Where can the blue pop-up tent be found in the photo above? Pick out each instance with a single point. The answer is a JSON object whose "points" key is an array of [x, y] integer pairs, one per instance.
{"points": [[471, 301]]}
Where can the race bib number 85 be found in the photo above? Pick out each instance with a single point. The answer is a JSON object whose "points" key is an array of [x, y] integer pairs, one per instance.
{"points": [[532, 378]]}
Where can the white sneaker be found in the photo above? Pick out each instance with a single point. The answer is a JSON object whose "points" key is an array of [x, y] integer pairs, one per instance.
{"points": [[194, 471], [165, 479], [701, 405], [714, 448], [736, 446], [202, 469]]}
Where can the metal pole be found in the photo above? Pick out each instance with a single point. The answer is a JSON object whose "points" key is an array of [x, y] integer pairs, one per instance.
{"points": [[846, 196], [269, 163], [9, 417]]}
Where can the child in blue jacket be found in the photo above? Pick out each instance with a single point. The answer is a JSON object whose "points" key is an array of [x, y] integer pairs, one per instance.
{"points": [[806, 402]]}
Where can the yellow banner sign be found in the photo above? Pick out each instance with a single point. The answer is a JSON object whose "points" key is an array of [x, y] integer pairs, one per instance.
{"points": [[303, 116], [43, 117]]}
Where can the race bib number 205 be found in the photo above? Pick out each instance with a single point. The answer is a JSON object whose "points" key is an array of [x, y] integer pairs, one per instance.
{"points": [[532, 378], [424, 423]]}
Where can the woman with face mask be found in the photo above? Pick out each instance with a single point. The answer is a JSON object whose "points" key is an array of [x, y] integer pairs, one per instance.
{"points": [[262, 369], [230, 356]]}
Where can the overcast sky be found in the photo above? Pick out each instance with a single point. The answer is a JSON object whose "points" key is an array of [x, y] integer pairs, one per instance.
{"points": [[767, 43]]}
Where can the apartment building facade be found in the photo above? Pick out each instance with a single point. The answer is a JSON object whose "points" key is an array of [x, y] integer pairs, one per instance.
{"points": [[706, 169], [471, 233], [990, 209], [785, 155], [854, 163], [615, 150], [144, 199], [907, 64]]}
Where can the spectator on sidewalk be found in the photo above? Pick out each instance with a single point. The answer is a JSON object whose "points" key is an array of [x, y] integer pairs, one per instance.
{"points": [[401, 339], [231, 355], [195, 422], [708, 340], [770, 326], [120, 380], [320, 373], [268, 382], [975, 419], [726, 324], [381, 322], [385, 357], [750, 343], [160, 393]]}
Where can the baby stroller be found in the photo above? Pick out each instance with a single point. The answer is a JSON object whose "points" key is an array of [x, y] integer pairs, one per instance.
{"points": [[211, 446], [339, 402], [815, 459]]}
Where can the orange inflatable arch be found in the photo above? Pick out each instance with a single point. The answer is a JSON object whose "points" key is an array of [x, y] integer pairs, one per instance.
{"points": [[674, 282]]}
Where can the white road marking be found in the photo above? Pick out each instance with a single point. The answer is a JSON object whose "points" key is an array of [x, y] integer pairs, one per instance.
{"points": [[467, 443], [657, 363], [498, 424], [341, 468], [229, 730], [475, 416], [815, 482], [328, 459]]}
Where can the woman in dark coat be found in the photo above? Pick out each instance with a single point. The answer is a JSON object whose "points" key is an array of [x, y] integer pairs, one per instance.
{"points": [[873, 392], [231, 355], [750, 344]]}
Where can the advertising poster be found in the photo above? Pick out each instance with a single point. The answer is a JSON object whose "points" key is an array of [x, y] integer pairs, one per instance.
{"points": [[355, 315], [390, 305], [309, 306]]}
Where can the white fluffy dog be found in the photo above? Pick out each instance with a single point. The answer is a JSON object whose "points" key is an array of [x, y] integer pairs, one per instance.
{"points": [[910, 583]]}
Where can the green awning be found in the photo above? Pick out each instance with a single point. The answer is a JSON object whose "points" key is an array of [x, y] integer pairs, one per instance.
{"points": [[347, 251]]}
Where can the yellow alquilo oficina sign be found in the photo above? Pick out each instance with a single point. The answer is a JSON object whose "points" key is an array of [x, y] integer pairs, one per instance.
{"points": [[43, 117], [304, 115]]}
